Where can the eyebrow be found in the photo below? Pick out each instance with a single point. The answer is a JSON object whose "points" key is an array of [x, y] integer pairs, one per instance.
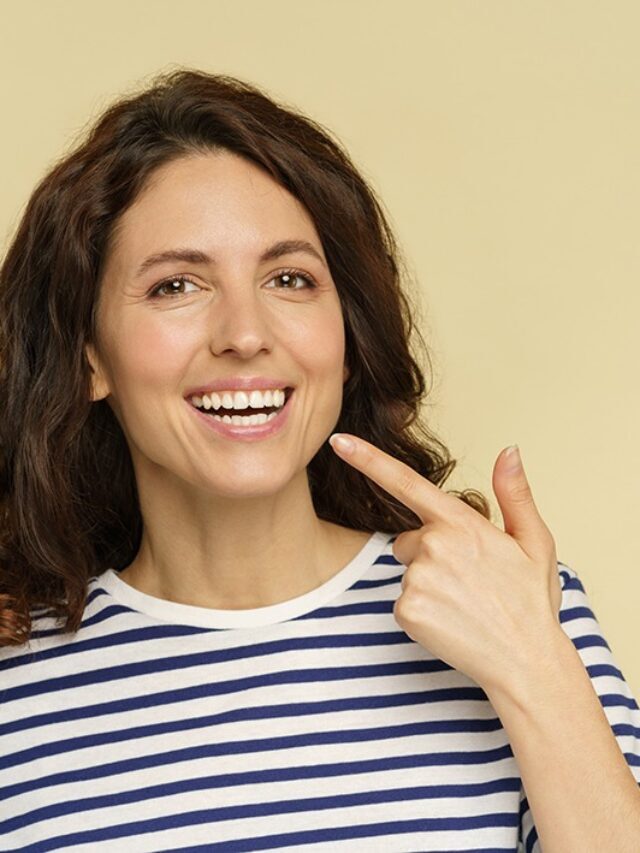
{"points": [[195, 256]]}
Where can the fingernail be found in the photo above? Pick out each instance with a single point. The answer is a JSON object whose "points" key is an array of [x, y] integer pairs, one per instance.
{"points": [[341, 443], [513, 458]]}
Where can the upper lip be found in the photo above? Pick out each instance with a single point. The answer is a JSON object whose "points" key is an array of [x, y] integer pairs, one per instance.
{"points": [[239, 383]]}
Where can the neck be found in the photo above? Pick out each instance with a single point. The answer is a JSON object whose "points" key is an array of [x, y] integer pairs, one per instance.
{"points": [[235, 553]]}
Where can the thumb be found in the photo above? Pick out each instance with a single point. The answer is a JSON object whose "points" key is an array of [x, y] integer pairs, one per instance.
{"points": [[519, 512]]}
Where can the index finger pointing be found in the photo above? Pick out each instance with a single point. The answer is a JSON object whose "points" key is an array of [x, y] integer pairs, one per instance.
{"points": [[416, 492]]}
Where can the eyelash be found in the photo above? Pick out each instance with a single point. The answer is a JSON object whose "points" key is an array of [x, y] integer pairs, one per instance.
{"points": [[154, 293]]}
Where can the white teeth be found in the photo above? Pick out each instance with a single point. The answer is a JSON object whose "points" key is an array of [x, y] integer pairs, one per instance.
{"points": [[240, 399], [244, 420]]}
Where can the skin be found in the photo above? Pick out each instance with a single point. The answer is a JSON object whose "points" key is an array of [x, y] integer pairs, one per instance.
{"points": [[227, 524]]}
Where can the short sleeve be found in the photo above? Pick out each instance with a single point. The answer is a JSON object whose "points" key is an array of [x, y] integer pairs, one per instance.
{"points": [[581, 626]]}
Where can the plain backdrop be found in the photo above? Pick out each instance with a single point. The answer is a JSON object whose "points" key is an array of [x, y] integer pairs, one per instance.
{"points": [[503, 139]]}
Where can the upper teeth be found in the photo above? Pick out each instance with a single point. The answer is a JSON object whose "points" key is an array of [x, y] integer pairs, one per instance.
{"points": [[240, 399]]}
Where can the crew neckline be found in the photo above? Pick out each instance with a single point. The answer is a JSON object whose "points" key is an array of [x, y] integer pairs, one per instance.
{"points": [[209, 617]]}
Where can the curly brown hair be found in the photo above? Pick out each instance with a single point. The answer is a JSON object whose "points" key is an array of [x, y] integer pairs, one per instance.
{"points": [[68, 498]]}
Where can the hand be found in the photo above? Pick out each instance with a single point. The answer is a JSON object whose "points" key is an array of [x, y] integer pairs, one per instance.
{"points": [[481, 599]]}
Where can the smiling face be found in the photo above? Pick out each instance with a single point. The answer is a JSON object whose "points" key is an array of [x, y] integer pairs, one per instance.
{"points": [[233, 315]]}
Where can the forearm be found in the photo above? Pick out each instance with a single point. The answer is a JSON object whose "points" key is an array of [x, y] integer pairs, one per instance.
{"points": [[581, 791]]}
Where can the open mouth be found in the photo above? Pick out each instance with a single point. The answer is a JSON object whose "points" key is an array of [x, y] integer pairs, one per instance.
{"points": [[249, 416]]}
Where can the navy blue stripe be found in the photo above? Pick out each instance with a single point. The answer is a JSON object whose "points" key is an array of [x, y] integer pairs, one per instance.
{"points": [[270, 775], [168, 697], [589, 641], [168, 630], [612, 700], [578, 612], [328, 707], [378, 583], [115, 638], [271, 842], [236, 846], [250, 810], [597, 670], [624, 729], [573, 583], [245, 653], [532, 838], [356, 609], [387, 559]]}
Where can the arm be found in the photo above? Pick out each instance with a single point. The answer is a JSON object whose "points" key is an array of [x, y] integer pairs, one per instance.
{"points": [[581, 791]]}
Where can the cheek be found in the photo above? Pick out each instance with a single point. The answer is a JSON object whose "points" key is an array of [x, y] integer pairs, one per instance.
{"points": [[152, 352], [318, 343], [318, 348]]}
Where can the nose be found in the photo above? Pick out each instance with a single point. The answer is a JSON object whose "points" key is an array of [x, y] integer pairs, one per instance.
{"points": [[240, 324]]}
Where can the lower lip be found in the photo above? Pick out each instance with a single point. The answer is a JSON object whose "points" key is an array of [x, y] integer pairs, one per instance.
{"points": [[246, 433]]}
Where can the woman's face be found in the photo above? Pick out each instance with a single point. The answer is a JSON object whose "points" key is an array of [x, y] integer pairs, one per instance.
{"points": [[237, 315]]}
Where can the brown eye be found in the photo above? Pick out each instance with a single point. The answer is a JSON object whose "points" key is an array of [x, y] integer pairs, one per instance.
{"points": [[178, 279], [288, 277]]}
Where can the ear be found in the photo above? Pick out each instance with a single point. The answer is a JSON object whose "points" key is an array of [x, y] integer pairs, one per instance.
{"points": [[346, 374], [99, 384]]}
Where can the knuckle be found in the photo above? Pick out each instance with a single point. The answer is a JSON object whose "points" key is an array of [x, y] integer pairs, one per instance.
{"points": [[407, 608], [408, 578], [431, 543], [401, 548], [477, 543], [407, 482]]}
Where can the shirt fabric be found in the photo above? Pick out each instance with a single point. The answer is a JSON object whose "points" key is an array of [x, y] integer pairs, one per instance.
{"points": [[311, 724]]}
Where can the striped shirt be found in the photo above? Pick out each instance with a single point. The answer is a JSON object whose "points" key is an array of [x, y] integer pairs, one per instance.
{"points": [[311, 724]]}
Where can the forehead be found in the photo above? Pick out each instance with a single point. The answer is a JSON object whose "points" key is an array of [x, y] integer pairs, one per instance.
{"points": [[217, 201]]}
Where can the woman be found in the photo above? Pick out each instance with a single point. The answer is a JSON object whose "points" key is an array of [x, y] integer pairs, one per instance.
{"points": [[267, 642]]}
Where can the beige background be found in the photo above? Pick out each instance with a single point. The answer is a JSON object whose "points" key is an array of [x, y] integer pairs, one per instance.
{"points": [[503, 138]]}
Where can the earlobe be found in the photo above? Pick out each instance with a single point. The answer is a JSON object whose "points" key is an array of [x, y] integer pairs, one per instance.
{"points": [[99, 388]]}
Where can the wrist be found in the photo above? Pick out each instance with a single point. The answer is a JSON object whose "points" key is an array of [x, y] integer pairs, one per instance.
{"points": [[536, 668]]}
